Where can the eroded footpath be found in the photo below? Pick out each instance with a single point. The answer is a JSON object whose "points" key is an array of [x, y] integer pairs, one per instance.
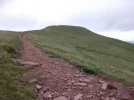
{"points": [[56, 79]]}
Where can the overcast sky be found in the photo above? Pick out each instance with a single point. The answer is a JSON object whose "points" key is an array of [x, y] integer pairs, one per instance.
{"points": [[113, 18]]}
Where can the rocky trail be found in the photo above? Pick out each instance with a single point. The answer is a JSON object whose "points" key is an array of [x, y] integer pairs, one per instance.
{"points": [[56, 79]]}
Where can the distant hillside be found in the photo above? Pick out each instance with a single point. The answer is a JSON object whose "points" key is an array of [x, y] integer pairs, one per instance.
{"points": [[92, 52], [131, 41]]}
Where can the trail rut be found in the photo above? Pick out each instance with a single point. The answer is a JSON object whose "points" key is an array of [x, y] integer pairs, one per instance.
{"points": [[60, 80]]}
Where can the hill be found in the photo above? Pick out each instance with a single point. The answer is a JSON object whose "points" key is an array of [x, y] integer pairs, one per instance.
{"points": [[10, 88], [89, 51], [131, 41]]}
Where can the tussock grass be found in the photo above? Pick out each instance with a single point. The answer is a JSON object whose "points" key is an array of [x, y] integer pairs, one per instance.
{"points": [[10, 87]]}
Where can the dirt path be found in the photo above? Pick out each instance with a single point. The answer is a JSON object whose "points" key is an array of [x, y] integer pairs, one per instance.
{"points": [[56, 79]]}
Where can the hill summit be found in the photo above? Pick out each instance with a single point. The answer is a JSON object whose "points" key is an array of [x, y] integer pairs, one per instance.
{"points": [[91, 52]]}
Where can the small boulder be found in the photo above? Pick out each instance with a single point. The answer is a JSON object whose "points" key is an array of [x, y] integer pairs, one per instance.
{"points": [[85, 80], [29, 63], [23, 62], [68, 89], [101, 93], [125, 98], [64, 93], [1, 57], [101, 81], [47, 95], [89, 96], [45, 89], [80, 84], [60, 98], [104, 86], [33, 80], [113, 98], [124, 94], [13, 60], [107, 98], [38, 87], [77, 97]]}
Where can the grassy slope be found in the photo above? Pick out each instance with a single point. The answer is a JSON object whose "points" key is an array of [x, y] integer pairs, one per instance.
{"points": [[11, 89], [98, 54]]}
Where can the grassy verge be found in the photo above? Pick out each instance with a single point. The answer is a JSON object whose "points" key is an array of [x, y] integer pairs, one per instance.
{"points": [[10, 87], [92, 52]]}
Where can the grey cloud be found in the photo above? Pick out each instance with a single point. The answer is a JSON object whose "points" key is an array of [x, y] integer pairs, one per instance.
{"points": [[17, 22], [3, 2], [120, 17], [117, 18]]}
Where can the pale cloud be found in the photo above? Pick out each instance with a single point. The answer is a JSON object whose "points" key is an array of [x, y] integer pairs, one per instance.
{"points": [[96, 15], [121, 35], [61, 10]]}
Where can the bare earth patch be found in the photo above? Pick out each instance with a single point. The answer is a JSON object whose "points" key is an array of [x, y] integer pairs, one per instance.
{"points": [[60, 80]]}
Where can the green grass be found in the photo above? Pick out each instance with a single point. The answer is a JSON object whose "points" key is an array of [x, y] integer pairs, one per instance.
{"points": [[92, 52], [10, 88]]}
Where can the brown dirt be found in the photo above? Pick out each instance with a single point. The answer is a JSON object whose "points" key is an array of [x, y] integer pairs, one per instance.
{"points": [[62, 80]]}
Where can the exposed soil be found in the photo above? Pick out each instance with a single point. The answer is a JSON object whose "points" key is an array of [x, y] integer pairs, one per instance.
{"points": [[56, 79]]}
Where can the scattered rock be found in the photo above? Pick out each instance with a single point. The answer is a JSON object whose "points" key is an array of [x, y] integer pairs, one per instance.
{"points": [[101, 81], [17, 78], [77, 97], [77, 75], [13, 60], [34, 80], [36, 91], [60, 98], [38, 87], [80, 88], [43, 66], [85, 80], [30, 63], [91, 86], [1, 57], [69, 84], [102, 98], [111, 94], [26, 62], [64, 93], [101, 93], [124, 95], [124, 98], [69, 89], [107, 98], [45, 89], [104, 86], [73, 81], [80, 84], [113, 98], [47, 95], [98, 95], [110, 86], [89, 96]]}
